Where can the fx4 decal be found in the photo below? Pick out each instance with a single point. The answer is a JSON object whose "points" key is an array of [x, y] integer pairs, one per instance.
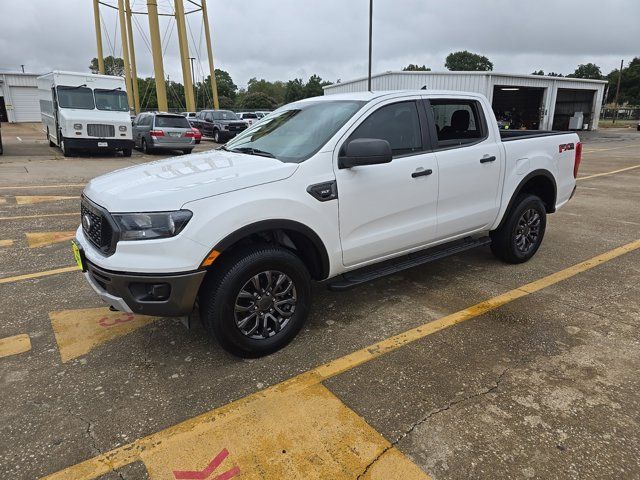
{"points": [[566, 146]]}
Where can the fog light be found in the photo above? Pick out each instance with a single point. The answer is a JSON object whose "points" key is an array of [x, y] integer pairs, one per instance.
{"points": [[77, 126], [122, 128], [150, 292]]}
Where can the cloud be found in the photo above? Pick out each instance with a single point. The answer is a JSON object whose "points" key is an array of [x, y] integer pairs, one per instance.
{"points": [[283, 39]]}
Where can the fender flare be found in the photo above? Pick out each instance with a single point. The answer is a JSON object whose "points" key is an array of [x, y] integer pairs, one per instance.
{"points": [[279, 224], [536, 173]]}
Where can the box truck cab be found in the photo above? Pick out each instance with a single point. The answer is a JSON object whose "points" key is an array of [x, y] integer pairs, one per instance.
{"points": [[85, 112]]}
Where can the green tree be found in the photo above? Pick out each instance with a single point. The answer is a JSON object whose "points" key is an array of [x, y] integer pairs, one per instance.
{"points": [[629, 84], [554, 74], [587, 70], [258, 101], [294, 90], [416, 68], [112, 66], [275, 90], [538, 72], [148, 97], [313, 87], [467, 62]]}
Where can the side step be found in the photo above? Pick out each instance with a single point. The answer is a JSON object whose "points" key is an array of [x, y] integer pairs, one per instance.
{"points": [[371, 272]]}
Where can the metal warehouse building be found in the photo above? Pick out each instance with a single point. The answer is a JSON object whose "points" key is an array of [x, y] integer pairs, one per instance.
{"points": [[519, 101], [19, 97]]}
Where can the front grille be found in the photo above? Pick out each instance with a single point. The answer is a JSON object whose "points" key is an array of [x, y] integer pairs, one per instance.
{"points": [[100, 232], [100, 130], [234, 127]]}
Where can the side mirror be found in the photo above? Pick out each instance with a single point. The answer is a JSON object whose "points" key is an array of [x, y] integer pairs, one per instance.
{"points": [[365, 151]]}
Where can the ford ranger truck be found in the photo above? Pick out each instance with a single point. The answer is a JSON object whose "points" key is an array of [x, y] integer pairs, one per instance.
{"points": [[339, 189]]}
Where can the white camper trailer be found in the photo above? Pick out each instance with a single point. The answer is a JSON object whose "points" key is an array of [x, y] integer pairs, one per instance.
{"points": [[85, 112]]}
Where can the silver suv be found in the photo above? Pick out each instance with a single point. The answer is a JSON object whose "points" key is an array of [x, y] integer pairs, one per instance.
{"points": [[163, 131]]}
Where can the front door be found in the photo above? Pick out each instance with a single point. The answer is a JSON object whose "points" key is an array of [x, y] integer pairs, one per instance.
{"points": [[389, 208]]}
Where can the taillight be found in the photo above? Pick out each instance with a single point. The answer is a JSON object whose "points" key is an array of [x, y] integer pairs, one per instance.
{"points": [[190, 134], [578, 159], [156, 133]]}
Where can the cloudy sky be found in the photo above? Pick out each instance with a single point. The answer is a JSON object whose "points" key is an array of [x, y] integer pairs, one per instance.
{"points": [[282, 39]]}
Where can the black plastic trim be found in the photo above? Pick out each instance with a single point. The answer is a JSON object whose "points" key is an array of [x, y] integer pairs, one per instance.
{"points": [[278, 224], [516, 192], [92, 143]]}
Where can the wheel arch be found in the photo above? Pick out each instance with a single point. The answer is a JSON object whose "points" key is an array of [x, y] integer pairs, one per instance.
{"points": [[291, 234], [539, 182]]}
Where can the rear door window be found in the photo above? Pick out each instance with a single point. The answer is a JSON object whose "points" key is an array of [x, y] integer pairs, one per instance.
{"points": [[457, 121], [398, 123], [171, 121]]}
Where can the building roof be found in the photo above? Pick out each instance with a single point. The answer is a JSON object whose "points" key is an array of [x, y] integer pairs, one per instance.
{"points": [[449, 73]]}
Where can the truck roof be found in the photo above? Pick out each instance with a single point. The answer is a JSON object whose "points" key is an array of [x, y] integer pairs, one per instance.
{"points": [[368, 96]]}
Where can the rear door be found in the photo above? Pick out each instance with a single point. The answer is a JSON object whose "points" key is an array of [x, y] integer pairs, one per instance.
{"points": [[389, 208], [470, 163], [175, 129]]}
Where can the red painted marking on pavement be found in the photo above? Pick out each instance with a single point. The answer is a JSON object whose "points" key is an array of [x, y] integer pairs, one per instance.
{"points": [[208, 470], [107, 322]]}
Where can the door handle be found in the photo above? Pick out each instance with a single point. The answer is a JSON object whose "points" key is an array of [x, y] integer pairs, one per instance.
{"points": [[488, 159], [421, 173]]}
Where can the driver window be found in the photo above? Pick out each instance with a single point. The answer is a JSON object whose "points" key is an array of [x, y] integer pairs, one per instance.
{"points": [[398, 124], [208, 117]]}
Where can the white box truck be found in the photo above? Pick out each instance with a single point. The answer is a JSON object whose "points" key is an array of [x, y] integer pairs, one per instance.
{"points": [[85, 112]]}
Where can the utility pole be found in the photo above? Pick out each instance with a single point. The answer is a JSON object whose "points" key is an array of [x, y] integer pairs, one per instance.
{"points": [[96, 19], [132, 58], [615, 113], [125, 53], [370, 42], [156, 49], [184, 56], [212, 70]]}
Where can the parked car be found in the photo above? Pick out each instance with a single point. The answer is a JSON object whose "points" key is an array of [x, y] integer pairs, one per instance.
{"points": [[249, 117], [221, 125], [189, 115], [82, 111], [197, 135], [340, 188], [262, 114], [163, 131]]}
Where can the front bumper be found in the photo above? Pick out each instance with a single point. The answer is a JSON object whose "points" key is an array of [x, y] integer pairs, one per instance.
{"points": [[169, 295], [92, 143]]}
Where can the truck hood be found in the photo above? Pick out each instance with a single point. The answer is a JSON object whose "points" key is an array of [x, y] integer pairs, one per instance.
{"points": [[170, 183]]}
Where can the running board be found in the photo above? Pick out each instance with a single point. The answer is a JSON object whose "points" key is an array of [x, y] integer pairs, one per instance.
{"points": [[388, 267]]}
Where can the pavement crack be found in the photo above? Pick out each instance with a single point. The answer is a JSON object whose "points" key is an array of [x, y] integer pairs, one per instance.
{"points": [[449, 405], [89, 432]]}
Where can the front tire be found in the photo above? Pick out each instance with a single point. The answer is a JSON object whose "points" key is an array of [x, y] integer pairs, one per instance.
{"points": [[126, 152], [216, 136], [66, 151], [187, 151], [256, 300], [521, 234]]}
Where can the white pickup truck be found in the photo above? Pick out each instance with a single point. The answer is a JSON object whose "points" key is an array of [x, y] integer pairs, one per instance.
{"points": [[340, 189]]}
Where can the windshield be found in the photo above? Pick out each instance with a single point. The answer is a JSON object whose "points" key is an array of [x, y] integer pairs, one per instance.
{"points": [[249, 115], [114, 100], [75, 97], [296, 131], [172, 121], [224, 115]]}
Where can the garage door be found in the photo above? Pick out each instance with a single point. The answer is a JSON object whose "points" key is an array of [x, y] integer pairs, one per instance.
{"points": [[25, 104]]}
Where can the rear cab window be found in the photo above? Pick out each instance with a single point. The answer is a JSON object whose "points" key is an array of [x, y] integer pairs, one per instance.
{"points": [[172, 121], [457, 122]]}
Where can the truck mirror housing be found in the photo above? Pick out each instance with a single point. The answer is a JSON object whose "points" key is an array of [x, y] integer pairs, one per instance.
{"points": [[365, 151]]}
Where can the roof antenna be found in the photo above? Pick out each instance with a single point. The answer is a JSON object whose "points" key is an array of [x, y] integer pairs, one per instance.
{"points": [[370, 40]]}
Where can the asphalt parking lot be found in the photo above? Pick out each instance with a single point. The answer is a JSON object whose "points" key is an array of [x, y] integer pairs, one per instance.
{"points": [[464, 368]]}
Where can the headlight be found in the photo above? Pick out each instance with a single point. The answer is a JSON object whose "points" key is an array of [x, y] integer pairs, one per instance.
{"points": [[77, 126], [122, 128], [225, 127], [146, 226]]}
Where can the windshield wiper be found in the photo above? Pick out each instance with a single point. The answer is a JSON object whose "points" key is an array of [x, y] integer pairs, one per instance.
{"points": [[253, 151]]}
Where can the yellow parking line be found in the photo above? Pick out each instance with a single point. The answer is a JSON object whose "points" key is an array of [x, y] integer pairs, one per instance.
{"points": [[14, 345], [22, 217], [245, 413], [6, 243], [46, 273], [20, 187], [588, 150], [609, 173], [32, 199]]}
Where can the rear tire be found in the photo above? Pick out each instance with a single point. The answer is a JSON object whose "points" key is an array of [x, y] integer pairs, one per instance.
{"points": [[249, 317], [51, 144], [521, 234], [145, 148], [187, 151], [126, 152]]}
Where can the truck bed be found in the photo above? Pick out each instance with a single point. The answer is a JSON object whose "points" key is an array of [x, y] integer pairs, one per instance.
{"points": [[509, 135]]}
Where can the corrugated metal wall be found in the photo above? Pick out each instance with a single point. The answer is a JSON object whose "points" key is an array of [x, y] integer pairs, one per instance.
{"points": [[20, 92], [483, 83]]}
